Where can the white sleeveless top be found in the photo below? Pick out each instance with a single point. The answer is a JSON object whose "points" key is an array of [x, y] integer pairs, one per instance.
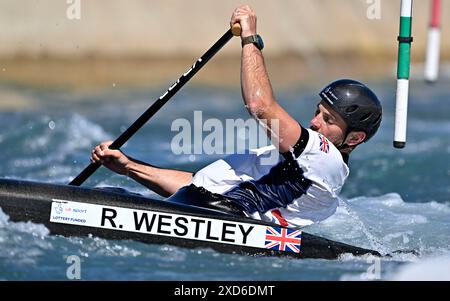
{"points": [[294, 189]]}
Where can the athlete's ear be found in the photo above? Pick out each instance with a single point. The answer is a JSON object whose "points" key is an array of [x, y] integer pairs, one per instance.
{"points": [[355, 137]]}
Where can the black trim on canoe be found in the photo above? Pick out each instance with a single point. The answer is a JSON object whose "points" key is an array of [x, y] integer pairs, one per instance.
{"points": [[31, 201]]}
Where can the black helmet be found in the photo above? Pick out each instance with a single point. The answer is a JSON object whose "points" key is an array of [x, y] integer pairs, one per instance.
{"points": [[356, 104]]}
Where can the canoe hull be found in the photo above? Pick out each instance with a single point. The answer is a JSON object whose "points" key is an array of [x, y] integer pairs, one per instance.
{"points": [[32, 201]]}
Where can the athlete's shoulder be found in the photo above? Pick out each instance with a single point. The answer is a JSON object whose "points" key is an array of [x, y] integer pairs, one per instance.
{"points": [[319, 144], [322, 162]]}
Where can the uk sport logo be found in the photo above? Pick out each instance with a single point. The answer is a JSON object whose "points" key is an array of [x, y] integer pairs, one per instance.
{"points": [[283, 239]]}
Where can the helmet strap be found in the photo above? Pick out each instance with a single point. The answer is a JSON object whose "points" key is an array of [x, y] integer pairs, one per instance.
{"points": [[344, 145]]}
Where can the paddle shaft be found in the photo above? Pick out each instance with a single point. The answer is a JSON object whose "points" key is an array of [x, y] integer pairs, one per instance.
{"points": [[159, 103]]}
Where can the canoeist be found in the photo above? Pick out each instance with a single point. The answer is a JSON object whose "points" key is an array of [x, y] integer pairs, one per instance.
{"points": [[302, 186]]}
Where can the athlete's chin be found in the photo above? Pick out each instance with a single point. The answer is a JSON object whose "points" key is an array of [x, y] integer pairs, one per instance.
{"points": [[331, 138], [316, 130]]}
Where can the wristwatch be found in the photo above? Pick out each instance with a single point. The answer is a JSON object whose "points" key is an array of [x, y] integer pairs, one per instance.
{"points": [[255, 39]]}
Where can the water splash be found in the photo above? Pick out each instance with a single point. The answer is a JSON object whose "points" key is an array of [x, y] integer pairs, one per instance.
{"points": [[387, 224], [375, 242]]}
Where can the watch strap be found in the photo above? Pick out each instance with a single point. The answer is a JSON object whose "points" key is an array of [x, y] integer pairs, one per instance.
{"points": [[253, 39]]}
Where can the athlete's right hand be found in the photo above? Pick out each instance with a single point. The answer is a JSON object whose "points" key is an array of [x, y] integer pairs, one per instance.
{"points": [[114, 160]]}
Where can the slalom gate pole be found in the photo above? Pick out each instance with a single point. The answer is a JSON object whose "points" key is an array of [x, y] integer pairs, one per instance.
{"points": [[433, 43], [403, 65]]}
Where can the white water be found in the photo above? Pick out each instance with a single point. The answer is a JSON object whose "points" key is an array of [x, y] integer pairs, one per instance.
{"points": [[384, 223], [52, 144]]}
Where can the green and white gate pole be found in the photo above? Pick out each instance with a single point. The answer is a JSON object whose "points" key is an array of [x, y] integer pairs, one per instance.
{"points": [[434, 37], [404, 51]]}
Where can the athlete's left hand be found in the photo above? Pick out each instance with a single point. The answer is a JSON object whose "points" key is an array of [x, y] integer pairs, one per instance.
{"points": [[245, 16]]}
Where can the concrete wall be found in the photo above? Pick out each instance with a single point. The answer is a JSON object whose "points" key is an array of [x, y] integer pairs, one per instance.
{"points": [[155, 28]]}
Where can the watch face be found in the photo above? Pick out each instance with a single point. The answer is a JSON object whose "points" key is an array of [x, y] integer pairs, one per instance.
{"points": [[260, 42]]}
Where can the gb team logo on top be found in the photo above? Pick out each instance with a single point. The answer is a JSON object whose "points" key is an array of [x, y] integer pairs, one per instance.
{"points": [[324, 144]]}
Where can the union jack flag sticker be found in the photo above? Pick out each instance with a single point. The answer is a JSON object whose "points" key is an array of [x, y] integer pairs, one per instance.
{"points": [[324, 144], [283, 239]]}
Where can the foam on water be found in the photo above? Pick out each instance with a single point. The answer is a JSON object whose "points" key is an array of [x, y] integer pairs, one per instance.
{"points": [[388, 224], [22, 243], [429, 269], [49, 151]]}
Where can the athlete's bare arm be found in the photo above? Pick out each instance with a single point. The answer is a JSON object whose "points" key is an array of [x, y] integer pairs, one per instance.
{"points": [[257, 90], [164, 182]]}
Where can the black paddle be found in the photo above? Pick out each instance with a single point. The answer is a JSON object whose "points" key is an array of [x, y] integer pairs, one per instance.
{"points": [[159, 103]]}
